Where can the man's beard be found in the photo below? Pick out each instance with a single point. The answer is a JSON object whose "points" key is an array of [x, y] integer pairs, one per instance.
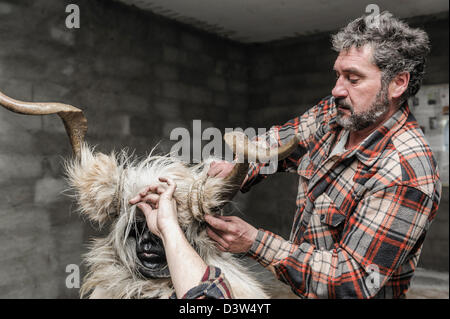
{"points": [[363, 120]]}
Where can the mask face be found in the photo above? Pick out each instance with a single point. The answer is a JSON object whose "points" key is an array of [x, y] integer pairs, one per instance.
{"points": [[150, 252]]}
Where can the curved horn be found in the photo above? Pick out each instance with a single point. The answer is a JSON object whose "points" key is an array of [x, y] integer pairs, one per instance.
{"points": [[249, 151], [72, 117]]}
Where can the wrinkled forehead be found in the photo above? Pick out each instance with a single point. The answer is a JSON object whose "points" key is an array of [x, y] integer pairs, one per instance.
{"points": [[356, 59]]}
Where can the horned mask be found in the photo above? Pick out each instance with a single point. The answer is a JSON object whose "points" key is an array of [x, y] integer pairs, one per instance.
{"points": [[130, 261]]}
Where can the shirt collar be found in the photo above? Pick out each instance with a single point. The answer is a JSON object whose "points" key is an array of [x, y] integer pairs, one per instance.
{"points": [[372, 147]]}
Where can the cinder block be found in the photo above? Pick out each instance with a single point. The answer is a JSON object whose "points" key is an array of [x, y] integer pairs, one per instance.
{"points": [[49, 190], [133, 67], [237, 53], [239, 87], [13, 123], [27, 254], [62, 35], [167, 108], [19, 89], [200, 62], [216, 83], [239, 101], [99, 99], [221, 68], [110, 124], [16, 193], [171, 54], [237, 71], [165, 72], [261, 70], [149, 125], [164, 32], [52, 123], [49, 92], [6, 8], [175, 90], [32, 223], [200, 96], [221, 100], [133, 103], [19, 166], [18, 142], [191, 42]]}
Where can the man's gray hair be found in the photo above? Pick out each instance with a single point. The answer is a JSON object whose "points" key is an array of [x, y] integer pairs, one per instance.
{"points": [[396, 46]]}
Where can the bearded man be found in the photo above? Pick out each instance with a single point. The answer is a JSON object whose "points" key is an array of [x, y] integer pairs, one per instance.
{"points": [[368, 182]]}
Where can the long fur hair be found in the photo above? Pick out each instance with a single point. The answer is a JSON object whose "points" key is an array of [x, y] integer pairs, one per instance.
{"points": [[103, 184]]}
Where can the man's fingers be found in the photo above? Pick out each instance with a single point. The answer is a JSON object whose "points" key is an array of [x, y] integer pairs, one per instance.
{"points": [[145, 208], [220, 248], [220, 169], [214, 169], [226, 218], [151, 198], [171, 186], [143, 193], [217, 222], [134, 200], [220, 243], [145, 190]]}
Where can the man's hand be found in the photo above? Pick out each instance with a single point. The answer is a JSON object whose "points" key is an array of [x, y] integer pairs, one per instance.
{"points": [[220, 169], [231, 233], [159, 207]]}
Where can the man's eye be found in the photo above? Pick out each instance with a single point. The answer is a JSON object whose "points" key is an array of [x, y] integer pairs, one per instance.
{"points": [[353, 80]]}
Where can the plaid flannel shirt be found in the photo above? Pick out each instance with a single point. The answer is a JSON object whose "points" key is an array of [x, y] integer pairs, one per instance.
{"points": [[362, 215], [213, 285]]}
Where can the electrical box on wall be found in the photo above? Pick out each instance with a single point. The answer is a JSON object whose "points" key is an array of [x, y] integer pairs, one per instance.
{"points": [[430, 106]]}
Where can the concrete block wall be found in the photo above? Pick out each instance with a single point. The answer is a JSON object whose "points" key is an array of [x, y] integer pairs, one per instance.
{"points": [[135, 75]]}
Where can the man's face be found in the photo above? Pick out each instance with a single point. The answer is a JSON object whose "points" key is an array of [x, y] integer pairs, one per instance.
{"points": [[361, 100]]}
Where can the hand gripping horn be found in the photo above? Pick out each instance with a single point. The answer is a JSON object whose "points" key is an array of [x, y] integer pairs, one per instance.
{"points": [[72, 117], [248, 151]]}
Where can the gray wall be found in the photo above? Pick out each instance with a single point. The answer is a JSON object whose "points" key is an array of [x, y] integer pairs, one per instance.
{"points": [[137, 76]]}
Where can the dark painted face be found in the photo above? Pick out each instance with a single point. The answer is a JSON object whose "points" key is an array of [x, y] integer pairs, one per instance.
{"points": [[150, 251]]}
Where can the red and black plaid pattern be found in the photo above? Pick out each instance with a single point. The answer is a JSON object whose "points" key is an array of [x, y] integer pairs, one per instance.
{"points": [[362, 215], [213, 285]]}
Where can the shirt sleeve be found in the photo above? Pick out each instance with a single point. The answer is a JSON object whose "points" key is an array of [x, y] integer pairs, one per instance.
{"points": [[304, 127], [379, 237], [213, 285]]}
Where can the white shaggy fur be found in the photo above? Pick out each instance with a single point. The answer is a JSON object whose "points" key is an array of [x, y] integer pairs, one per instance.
{"points": [[103, 186]]}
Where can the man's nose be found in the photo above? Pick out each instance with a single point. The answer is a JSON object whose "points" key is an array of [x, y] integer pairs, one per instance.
{"points": [[339, 90]]}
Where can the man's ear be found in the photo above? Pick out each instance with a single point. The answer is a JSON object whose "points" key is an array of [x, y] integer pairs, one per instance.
{"points": [[398, 85]]}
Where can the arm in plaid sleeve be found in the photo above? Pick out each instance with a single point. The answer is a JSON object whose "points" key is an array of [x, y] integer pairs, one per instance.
{"points": [[382, 234], [213, 285], [304, 126]]}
